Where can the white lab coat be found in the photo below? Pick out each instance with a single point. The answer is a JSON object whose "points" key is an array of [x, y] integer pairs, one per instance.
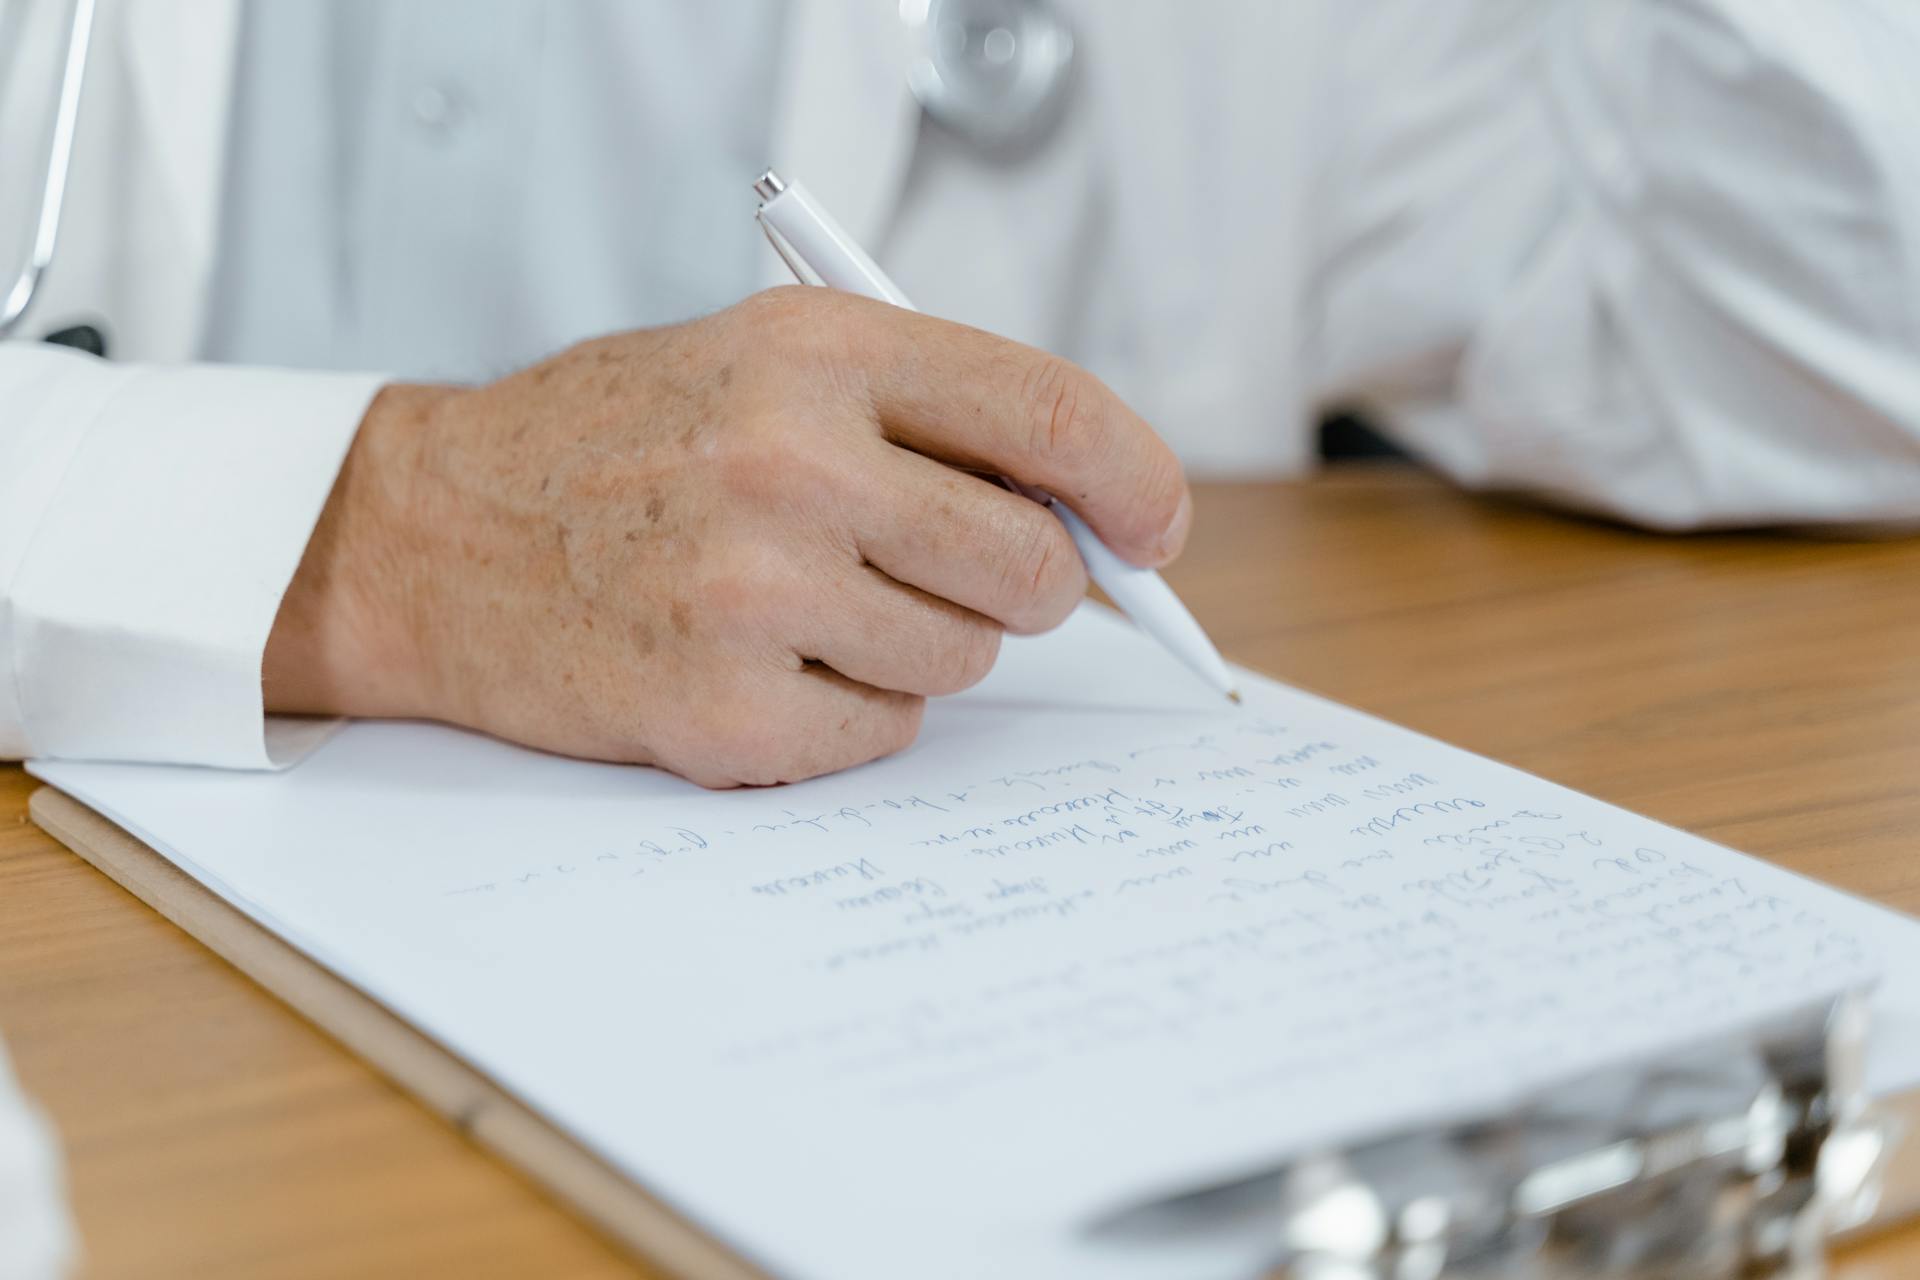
{"points": [[1655, 258]]}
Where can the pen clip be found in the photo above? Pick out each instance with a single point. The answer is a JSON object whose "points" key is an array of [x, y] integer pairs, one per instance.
{"points": [[795, 263]]}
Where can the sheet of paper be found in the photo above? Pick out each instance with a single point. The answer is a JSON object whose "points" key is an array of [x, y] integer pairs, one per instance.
{"points": [[1097, 935]]}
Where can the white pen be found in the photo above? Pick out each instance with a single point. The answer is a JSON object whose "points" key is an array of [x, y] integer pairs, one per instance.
{"points": [[817, 251]]}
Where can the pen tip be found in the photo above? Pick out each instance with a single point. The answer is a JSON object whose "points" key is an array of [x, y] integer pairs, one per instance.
{"points": [[1233, 696]]}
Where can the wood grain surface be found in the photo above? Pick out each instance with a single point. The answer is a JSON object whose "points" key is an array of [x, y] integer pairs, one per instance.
{"points": [[1761, 690]]}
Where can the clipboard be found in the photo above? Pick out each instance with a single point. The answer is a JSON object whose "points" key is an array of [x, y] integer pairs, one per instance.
{"points": [[607, 1200], [447, 1086]]}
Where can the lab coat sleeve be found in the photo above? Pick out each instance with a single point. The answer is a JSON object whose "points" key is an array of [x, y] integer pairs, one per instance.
{"points": [[1720, 322], [150, 520]]}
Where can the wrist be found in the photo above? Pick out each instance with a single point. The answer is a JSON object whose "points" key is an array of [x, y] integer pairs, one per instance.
{"points": [[347, 637]]}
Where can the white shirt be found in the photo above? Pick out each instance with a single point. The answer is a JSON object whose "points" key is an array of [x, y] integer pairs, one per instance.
{"points": [[1655, 258], [402, 202]]}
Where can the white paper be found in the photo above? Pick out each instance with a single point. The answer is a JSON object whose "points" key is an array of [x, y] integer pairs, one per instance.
{"points": [[1096, 936]]}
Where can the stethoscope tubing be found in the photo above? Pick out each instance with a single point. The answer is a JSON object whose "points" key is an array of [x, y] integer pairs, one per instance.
{"points": [[53, 187]]}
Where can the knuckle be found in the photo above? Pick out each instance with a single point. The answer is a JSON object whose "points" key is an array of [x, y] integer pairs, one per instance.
{"points": [[794, 320], [966, 658], [787, 305], [903, 724], [755, 746], [1065, 422], [744, 744], [761, 741], [1046, 579], [884, 727]]}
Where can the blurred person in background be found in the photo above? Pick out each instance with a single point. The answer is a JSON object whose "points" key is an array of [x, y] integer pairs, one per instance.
{"points": [[1656, 259]]}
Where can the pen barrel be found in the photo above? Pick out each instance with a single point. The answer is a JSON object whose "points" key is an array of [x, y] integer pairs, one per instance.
{"points": [[1145, 597], [824, 245]]}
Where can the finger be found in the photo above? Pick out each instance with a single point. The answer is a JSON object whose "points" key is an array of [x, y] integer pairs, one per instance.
{"points": [[818, 721], [966, 539], [795, 723], [969, 398], [887, 634]]}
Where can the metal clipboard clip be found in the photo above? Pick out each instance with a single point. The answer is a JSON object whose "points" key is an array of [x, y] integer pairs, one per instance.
{"points": [[1740, 1158]]}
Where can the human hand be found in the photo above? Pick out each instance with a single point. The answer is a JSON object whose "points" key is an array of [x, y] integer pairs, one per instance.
{"points": [[741, 548]]}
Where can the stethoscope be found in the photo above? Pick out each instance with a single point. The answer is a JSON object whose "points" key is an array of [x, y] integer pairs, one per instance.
{"points": [[53, 187], [994, 72]]}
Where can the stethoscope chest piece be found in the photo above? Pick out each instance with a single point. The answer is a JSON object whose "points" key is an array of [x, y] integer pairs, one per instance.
{"points": [[993, 71]]}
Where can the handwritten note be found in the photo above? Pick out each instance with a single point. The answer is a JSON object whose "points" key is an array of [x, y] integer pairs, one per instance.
{"points": [[1093, 938]]}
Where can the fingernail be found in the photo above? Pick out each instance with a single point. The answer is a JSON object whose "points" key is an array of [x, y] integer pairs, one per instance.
{"points": [[1176, 535]]}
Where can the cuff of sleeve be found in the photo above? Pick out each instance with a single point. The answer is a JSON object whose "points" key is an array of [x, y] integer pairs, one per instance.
{"points": [[142, 610]]}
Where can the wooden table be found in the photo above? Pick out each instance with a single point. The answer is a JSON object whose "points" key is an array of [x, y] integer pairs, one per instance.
{"points": [[1762, 691]]}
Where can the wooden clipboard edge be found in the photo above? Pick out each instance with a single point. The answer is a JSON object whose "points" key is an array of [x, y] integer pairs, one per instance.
{"points": [[572, 1175]]}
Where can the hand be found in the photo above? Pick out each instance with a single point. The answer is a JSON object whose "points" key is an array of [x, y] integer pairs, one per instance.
{"points": [[741, 548]]}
